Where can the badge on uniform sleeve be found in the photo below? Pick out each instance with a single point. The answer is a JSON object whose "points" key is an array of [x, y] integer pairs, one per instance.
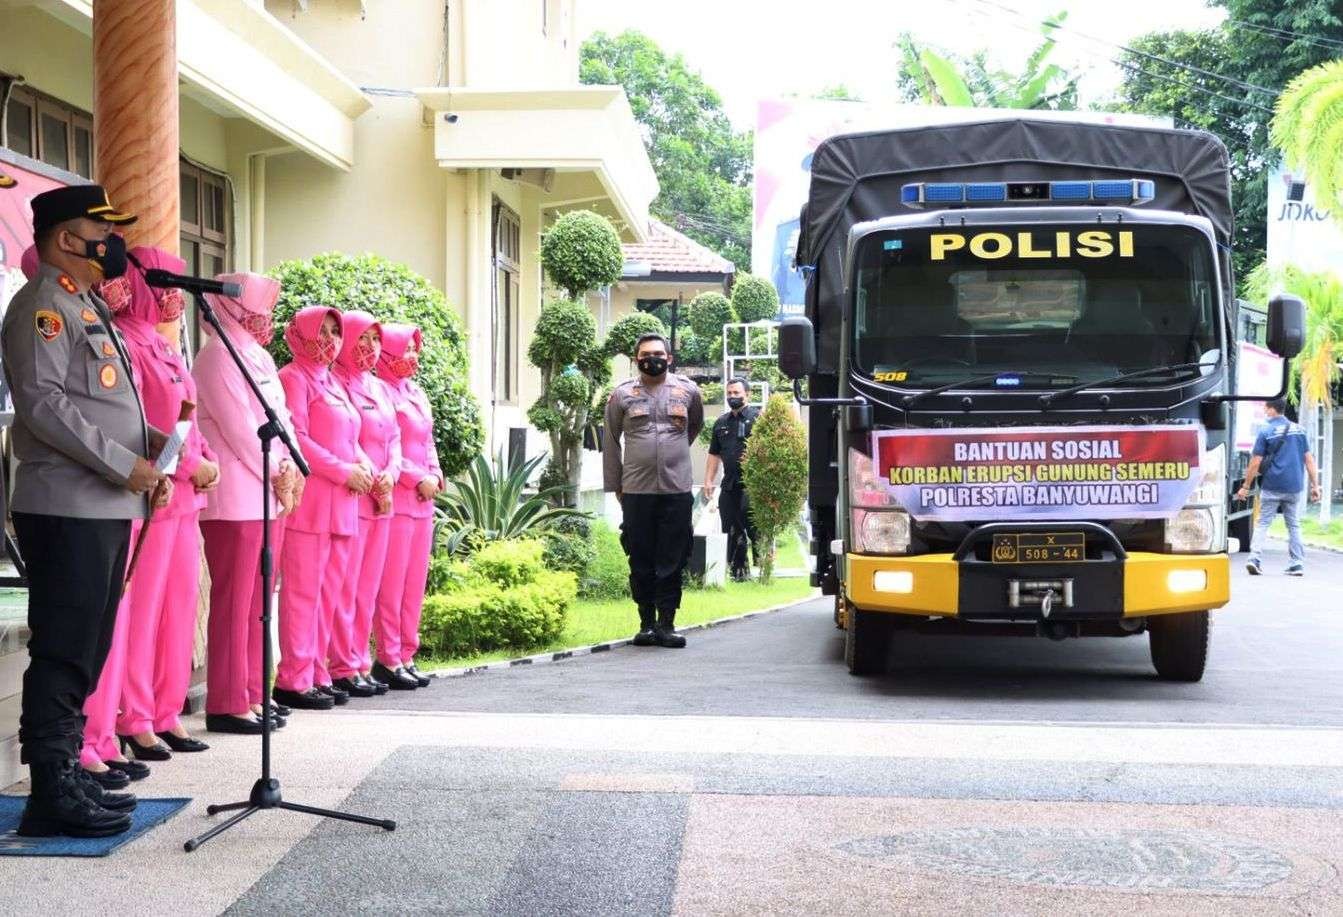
{"points": [[89, 316], [67, 284], [49, 324], [107, 376]]}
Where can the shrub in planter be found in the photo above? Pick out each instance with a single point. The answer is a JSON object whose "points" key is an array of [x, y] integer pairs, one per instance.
{"points": [[502, 598], [394, 293], [754, 298]]}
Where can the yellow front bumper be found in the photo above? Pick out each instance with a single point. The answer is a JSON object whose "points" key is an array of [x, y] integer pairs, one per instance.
{"points": [[932, 582]]}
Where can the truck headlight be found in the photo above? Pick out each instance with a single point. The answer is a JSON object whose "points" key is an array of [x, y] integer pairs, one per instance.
{"points": [[880, 532], [1200, 527]]}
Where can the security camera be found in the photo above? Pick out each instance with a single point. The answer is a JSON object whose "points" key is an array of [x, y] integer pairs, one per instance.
{"points": [[450, 118]]}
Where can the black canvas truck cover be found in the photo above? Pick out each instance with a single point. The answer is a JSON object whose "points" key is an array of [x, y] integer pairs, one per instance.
{"points": [[857, 177]]}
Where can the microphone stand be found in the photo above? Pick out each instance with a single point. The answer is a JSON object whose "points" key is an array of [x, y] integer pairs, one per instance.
{"points": [[266, 791]]}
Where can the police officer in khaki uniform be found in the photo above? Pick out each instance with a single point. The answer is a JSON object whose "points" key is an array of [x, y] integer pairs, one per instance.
{"points": [[650, 423], [84, 473]]}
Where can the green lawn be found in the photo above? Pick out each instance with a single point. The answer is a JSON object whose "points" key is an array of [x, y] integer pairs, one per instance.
{"points": [[1312, 532], [598, 622]]}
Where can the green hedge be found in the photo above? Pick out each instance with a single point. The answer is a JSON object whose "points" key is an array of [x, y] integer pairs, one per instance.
{"points": [[502, 598], [608, 574], [394, 293]]}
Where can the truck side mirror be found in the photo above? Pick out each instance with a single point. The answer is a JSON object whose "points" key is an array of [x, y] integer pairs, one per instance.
{"points": [[797, 347], [1286, 325]]}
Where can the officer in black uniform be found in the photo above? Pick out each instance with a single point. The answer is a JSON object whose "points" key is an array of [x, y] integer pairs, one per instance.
{"points": [[730, 433], [85, 472]]}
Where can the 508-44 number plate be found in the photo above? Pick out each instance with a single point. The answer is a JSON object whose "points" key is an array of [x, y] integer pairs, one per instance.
{"points": [[1042, 548]]}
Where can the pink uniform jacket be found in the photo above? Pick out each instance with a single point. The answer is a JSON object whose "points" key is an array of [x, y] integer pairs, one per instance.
{"points": [[379, 435], [419, 457], [229, 413], [162, 376], [326, 425]]}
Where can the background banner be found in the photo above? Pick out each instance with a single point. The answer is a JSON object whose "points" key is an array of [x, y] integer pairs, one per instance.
{"points": [[990, 475]]}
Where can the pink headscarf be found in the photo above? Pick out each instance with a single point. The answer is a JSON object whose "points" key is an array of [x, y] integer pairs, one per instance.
{"points": [[392, 365], [304, 328], [354, 323], [30, 263], [255, 306], [143, 308]]}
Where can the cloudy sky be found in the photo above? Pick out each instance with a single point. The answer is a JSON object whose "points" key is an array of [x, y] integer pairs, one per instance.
{"points": [[747, 49]]}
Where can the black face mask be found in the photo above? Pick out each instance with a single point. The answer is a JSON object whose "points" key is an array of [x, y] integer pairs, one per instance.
{"points": [[108, 254], [736, 403], [652, 366]]}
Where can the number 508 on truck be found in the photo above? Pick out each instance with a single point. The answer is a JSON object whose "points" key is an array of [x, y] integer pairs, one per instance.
{"points": [[1020, 350]]}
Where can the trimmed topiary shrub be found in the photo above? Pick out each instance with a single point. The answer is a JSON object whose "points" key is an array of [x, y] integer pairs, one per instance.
{"points": [[393, 292], [625, 333], [503, 598], [774, 472], [709, 312], [582, 252], [754, 299]]}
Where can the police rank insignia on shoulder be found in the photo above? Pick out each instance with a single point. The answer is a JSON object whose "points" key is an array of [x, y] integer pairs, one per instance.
{"points": [[67, 284], [48, 324]]}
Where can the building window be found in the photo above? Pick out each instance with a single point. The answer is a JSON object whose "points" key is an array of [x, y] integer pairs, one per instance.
{"points": [[507, 256], [46, 129], [206, 220]]}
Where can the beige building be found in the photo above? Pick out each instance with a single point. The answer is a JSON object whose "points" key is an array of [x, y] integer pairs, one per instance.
{"points": [[444, 136]]}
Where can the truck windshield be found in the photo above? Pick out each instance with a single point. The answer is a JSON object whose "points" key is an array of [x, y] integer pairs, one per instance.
{"points": [[1082, 301]]}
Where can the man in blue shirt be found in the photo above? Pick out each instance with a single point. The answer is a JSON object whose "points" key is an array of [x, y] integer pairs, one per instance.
{"points": [[1281, 452]]}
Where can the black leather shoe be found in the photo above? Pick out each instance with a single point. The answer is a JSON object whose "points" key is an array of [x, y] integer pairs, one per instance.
{"points": [[156, 752], [100, 795], [311, 699], [353, 688], [182, 743], [647, 635], [59, 805], [666, 631], [416, 674], [132, 769], [338, 697], [110, 779], [237, 725], [279, 710], [379, 687], [397, 679]]}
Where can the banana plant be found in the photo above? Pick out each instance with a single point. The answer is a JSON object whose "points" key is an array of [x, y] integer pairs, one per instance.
{"points": [[491, 503]]}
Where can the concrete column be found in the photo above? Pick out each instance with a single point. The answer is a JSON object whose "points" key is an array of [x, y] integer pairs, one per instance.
{"points": [[135, 114]]}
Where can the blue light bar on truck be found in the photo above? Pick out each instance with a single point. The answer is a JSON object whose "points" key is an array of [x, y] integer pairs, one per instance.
{"points": [[1106, 191]]}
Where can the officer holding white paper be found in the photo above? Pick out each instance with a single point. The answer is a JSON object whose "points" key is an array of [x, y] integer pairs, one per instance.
{"points": [[85, 471]]}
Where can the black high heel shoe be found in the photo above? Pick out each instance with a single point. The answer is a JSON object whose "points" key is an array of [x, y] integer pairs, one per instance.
{"points": [[182, 744], [156, 752]]}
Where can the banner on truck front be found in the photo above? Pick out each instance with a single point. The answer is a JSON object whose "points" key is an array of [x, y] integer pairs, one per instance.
{"points": [[991, 475]]}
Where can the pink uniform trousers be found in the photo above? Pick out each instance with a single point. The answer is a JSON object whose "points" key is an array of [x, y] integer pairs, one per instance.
{"points": [[312, 570], [100, 707], [233, 552], [163, 600], [402, 590], [353, 621]]}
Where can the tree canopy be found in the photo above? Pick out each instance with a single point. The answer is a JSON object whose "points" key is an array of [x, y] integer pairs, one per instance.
{"points": [[1246, 61], [702, 164]]}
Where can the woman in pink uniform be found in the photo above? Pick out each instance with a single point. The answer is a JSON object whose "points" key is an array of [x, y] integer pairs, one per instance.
{"points": [[100, 753], [231, 523], [163, 588], [320, 534], [401, 594], [380, 438]]}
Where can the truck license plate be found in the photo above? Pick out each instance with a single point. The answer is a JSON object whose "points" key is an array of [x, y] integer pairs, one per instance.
{"points": [[1041, 548]]}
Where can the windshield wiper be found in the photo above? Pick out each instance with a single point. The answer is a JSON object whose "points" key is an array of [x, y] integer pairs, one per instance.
{"points": [[915, 397], [1048, 399]]}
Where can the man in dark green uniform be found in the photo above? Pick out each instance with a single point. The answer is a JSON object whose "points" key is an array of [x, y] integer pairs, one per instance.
{"points": [[727, 446], [84, 453]]}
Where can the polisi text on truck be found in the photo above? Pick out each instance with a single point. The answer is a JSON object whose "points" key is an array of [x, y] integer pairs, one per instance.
{"points": [[990, 246]]}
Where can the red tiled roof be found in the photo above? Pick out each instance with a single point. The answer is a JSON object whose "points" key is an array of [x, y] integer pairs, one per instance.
{"points": [[671, 252]]}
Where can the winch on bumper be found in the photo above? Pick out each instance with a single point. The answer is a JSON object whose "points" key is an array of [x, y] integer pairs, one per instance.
{"points": [[1107, 583]]}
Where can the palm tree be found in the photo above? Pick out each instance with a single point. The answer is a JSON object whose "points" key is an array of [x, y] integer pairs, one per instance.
{"points": [[1315, 372], [1308, 127]]}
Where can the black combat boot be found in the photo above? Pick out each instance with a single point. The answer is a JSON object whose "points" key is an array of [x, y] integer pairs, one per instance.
{"points": [[58, 805], [666, 630], [104, 796], [647, 635]]}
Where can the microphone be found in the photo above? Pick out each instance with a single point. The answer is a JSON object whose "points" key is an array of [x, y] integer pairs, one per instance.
{"points": [[157, 278]]}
